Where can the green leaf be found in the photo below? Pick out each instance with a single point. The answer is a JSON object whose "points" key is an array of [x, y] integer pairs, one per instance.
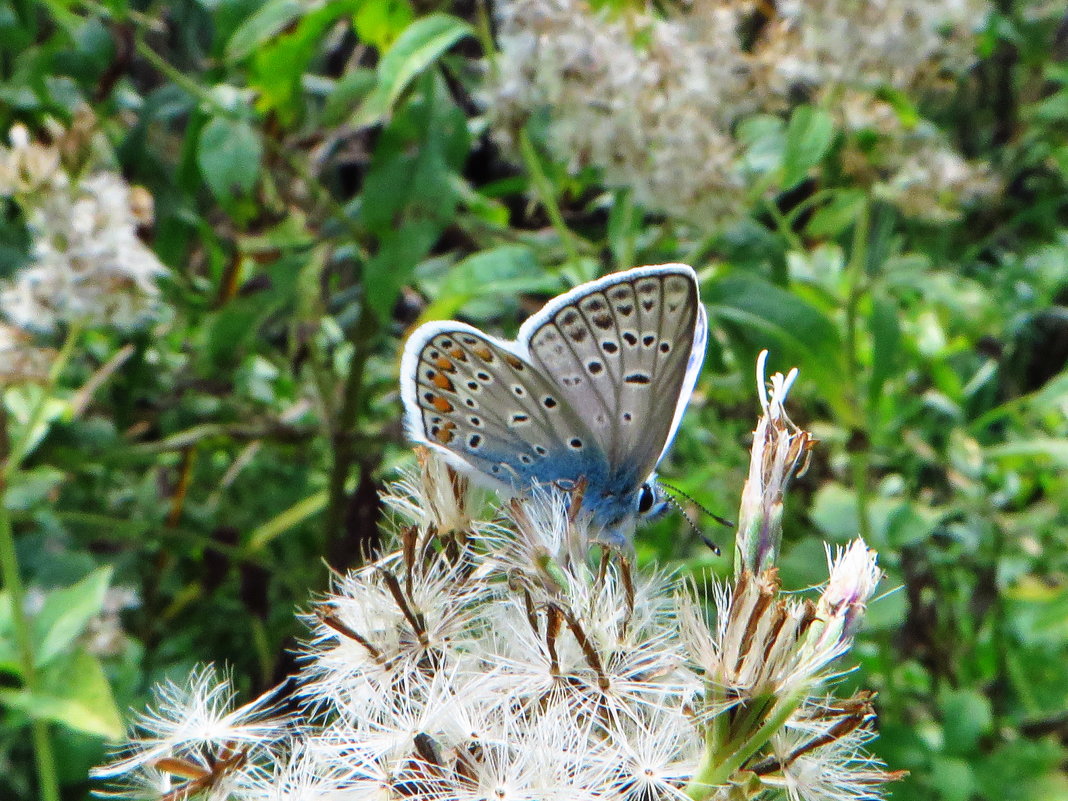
{"points": [[886, 343], [29, 488], [228, 331], [66, 613], [279, 66], [20, 402], [765, 316], [809, 135], [9, 654], [966, 716], [261, 27], [282, 522], [421, 43], [75, 693], [834, 511], [910, 524], [398, 254], [1035, 452], [836, 216], [410, 194], [348, 92], [764, 140], [378, 23], [229, 153], [506, 270], [953, 778]]}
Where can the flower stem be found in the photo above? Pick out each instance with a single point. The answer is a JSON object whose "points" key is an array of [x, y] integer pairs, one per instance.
{"points": [[362, 337], [23, 445], [47, 776], [547, 194], [857, 269], [714, 772], [42, 744]]}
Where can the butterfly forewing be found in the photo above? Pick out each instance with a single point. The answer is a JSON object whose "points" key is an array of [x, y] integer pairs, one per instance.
{"points": [[619, 353], [485, 405]]}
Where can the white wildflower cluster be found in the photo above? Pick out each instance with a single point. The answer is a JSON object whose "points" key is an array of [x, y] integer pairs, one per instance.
{"points": [[652, 98], [517, 659], [648, 100], [89, 267], [817, 44], [20, 360], [104, 634]]}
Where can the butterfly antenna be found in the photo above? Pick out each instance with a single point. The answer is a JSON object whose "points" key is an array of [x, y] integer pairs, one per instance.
{"points": [[721, 520], [693, 526]]}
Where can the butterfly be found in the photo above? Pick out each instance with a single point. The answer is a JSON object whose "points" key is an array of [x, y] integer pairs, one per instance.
{"points": [[592, 390]]}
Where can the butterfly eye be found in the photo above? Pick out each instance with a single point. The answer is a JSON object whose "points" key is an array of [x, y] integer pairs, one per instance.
{"points": [[646, 497]]}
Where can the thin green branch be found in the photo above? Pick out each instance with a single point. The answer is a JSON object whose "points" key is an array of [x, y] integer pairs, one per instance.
{"points": [[47, 776], [362, 337], [715, 773], [547, 195], [857, 274]]}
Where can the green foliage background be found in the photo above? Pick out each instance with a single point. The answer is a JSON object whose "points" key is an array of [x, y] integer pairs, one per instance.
{"points": [[323, 181]]}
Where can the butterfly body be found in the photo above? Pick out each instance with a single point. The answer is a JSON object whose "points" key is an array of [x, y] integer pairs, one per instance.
{"points": [[592, 390]]}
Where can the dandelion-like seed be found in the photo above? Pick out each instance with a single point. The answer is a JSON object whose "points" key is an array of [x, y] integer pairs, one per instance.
{"points": [[196, 741], [522, 660], [780, 452]]}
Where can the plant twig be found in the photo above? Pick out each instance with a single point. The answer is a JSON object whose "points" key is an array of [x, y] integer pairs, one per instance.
{"points": [[343, 433], [9, 567], [547, 195]]}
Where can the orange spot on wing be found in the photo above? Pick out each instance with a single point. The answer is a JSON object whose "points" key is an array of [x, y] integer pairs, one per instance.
{"points": [[445, 364], [443, 382], [484, 353], [514, 361], [441, 404], [445, 433], [458, 354]]}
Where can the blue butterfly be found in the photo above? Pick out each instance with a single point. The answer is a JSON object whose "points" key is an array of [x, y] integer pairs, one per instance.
{"points": [[593, 388]]}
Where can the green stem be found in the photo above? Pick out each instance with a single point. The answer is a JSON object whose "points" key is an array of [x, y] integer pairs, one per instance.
{"points": [[714, 773], [343, 430], [177, 77], [857, 272], [47, 776], [25, 442], [42, 744], [783, 226], [547, 195]]}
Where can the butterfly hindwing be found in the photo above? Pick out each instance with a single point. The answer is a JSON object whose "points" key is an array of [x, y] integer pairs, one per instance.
{"points": [[482, 405], [624, 352]]}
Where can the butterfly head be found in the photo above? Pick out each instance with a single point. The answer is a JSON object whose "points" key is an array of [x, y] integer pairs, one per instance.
{"points": [[615, 516], [652, 500]]}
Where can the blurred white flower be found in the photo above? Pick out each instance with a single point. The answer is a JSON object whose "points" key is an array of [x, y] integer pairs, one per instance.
{"points": [[648, 100], [104, 635], [651, 96], [862, 44], [27, 166], [88, 264], [20, 360]]}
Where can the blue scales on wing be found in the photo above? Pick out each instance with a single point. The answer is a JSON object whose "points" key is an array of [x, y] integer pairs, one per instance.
{"points": [[625, 354]]}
